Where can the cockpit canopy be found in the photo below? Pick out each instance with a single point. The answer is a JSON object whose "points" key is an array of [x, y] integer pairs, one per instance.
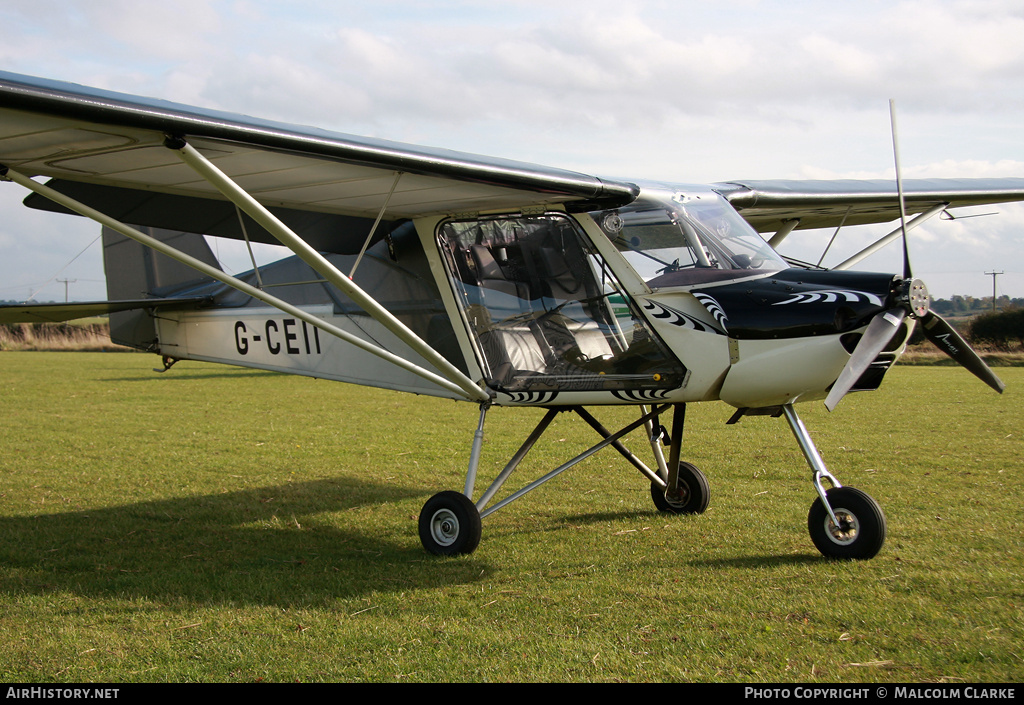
{"points": [[687, 239]]}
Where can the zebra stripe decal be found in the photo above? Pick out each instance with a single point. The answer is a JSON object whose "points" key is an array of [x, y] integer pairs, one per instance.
{"points": [[533, 397], [677, 318], [714, 308], [641, 395], [830, 295]]}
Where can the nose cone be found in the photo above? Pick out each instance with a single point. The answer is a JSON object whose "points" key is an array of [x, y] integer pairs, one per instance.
{"points": [[915, 293]]}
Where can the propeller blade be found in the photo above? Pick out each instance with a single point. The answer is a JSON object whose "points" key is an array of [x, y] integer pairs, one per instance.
{"points": [[899, 190], [878, 334], [946, 339]]}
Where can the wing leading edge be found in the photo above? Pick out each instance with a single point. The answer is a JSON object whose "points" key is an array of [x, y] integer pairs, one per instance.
{"points": [[109, 147]]}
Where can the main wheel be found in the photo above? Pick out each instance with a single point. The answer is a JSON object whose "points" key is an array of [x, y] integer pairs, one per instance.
{"points": [[693, 488], [449, 524], [861, 530]]}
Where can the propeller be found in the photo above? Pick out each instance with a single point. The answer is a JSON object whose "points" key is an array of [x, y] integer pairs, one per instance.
{"points": [[910, 298]]}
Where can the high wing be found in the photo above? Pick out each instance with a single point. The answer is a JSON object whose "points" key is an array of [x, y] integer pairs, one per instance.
{"points": [[107, 150], [131, 162], [770, 206]]}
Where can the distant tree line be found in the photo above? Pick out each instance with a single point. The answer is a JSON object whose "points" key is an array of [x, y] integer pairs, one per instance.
{"points": [[969, 305], [975, 319]]}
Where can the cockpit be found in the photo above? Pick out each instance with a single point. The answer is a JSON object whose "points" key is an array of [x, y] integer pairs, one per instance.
{"points": [[546, 312], [687, 239]]}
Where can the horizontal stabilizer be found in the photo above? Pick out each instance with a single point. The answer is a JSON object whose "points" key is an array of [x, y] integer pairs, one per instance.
{"points": [[56, 313]]}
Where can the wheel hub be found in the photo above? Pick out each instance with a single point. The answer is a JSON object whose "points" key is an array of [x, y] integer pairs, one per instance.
{"points": [[846, 531], [444, 527], [678, 496]]}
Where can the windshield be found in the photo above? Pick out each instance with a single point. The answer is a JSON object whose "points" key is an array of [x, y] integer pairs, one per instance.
{"points": [[687, 239]]}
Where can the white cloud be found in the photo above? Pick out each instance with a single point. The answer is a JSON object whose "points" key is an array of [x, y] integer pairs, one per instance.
{"points": [[684, 91]]}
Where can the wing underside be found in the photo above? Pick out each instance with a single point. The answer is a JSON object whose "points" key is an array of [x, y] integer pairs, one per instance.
{"points": [[108, 149]]}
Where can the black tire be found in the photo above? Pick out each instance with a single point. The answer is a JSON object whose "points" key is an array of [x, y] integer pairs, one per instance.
{"points": [[449, 524], [862, 531], [695, 490]]}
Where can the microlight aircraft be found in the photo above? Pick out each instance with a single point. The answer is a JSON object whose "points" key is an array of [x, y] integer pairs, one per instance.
{"points": [[485, 280]]}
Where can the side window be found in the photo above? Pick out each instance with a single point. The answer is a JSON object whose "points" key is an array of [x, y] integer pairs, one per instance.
{"points": [[544, 310]]}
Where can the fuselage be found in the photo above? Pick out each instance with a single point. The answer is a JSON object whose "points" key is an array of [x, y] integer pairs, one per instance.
{"points": [[672, 298]]}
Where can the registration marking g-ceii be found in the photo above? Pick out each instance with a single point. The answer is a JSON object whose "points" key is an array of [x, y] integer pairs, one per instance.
{"points": [[277, 336]]}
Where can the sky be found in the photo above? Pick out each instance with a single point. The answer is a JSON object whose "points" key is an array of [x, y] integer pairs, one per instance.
{"points": [[679, 91]]}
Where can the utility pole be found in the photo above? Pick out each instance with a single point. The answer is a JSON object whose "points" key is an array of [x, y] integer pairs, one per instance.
{"points": [[71, 281], [994, 275]]}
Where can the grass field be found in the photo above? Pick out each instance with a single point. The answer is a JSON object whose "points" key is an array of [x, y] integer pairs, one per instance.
{"points": [[82, 335], [216, 524]]}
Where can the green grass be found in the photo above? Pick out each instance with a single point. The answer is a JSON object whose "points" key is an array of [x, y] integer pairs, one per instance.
{"points": [[220, 524]]}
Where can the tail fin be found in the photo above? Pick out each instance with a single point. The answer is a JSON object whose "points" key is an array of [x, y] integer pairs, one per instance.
{"points": [[135, 271]]}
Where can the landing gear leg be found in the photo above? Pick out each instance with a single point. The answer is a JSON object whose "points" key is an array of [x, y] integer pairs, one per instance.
{"points": [[449, 522], [686, 489], [843, 522]]}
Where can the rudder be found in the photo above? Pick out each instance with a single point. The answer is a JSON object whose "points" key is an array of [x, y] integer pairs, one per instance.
{"points": [[134, 271]]}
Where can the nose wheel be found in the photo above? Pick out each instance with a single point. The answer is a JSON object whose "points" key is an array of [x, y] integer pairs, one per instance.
{"points": [[858, 530]]}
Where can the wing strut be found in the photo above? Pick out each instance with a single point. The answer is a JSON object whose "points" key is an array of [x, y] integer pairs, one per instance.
{"points": [[237, 195], [783, 232], [248, 246], [459, 384], [879, 244]]}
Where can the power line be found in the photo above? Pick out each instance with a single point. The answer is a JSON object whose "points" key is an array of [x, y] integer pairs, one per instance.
{"points": [[33, 294]]}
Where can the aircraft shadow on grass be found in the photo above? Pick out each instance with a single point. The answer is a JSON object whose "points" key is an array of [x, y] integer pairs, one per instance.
{"points": [[274, 545], [193, 375]]}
